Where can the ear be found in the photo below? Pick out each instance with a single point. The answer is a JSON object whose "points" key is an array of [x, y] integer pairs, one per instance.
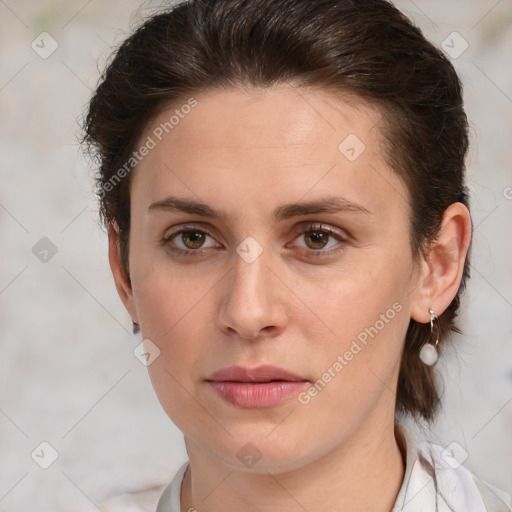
{"points": [[121, 279], [441, 271]]}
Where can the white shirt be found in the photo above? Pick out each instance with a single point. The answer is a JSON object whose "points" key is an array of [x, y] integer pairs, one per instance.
{"points": [[433, 482]]}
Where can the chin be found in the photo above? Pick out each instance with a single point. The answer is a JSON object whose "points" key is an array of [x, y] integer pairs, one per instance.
{"points": [[257, 452]]}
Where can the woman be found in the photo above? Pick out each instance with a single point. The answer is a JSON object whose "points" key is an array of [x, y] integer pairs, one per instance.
{"points": [[283, 185]]}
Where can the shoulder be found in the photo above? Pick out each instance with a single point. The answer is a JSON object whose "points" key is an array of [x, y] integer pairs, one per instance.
{"points": [[133, 501], [457, 486], [157, 498], [170, 500], [495, 500], [435, 480]]}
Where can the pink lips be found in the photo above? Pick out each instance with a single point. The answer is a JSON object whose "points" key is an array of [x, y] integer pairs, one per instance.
{"points": [[259, 387]]}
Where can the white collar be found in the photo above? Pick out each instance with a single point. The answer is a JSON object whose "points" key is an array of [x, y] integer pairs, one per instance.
{"points": [[434, 481]]}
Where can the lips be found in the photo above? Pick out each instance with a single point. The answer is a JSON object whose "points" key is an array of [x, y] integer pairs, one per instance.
{"points": [[265, 373], [256, 388]]}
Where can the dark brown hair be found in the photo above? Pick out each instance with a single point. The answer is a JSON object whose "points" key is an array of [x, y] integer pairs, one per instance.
{"points": [[365, 48]]}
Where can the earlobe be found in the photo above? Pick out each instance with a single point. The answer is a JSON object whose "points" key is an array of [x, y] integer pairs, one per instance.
{"points": [[121, 279], [443, 268]]}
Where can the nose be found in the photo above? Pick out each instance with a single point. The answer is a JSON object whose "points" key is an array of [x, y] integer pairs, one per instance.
{"points": [[253, 301]]}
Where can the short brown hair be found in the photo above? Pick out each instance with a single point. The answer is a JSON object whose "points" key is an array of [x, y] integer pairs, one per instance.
{"points": [[362, 47]]}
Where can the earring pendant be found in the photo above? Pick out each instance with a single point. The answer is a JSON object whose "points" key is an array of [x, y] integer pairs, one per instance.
{"points": [[428, 353]]}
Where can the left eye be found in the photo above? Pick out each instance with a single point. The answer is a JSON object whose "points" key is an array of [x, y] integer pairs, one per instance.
{"points": [[319, 238]]}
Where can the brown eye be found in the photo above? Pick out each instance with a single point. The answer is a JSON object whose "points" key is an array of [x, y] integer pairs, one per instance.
{"points": [[319, 239], [193, 239], [189, 241]]}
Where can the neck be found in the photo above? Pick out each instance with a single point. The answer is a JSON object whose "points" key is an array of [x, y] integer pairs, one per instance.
{"points": [[363, 474]]}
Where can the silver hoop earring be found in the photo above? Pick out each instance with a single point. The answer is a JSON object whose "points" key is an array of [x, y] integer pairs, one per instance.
{"points": [[428, 352]]}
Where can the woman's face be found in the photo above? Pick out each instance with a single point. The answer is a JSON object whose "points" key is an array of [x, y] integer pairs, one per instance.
{"points": [[307, 267]]}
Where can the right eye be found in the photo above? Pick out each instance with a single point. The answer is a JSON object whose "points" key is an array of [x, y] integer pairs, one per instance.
{"points": [[191, 238]]}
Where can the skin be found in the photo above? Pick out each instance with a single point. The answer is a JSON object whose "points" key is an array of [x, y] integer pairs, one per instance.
{"points": [[249, 152]]}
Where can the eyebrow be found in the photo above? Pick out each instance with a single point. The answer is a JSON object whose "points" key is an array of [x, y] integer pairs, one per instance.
{"points": [[330, 204]]}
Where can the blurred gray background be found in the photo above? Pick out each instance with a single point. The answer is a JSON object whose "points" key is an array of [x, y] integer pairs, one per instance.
{"points": [[68, 375]]}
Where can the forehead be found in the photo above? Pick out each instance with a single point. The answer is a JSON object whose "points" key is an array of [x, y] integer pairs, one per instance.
{"points": [[277, 117], [265, 144]]}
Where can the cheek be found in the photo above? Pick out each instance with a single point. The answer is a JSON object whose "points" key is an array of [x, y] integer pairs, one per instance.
{"points": [[166, 293], [356, 368], [173, 310], [367, 316], [167, 321], [356, 295]]}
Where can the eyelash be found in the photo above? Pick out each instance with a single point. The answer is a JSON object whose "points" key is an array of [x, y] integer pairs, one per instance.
{"points": [[315, 228]]}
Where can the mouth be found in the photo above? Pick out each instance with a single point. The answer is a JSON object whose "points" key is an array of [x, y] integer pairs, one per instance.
{"points": [[260, 374], [264, 386]]}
